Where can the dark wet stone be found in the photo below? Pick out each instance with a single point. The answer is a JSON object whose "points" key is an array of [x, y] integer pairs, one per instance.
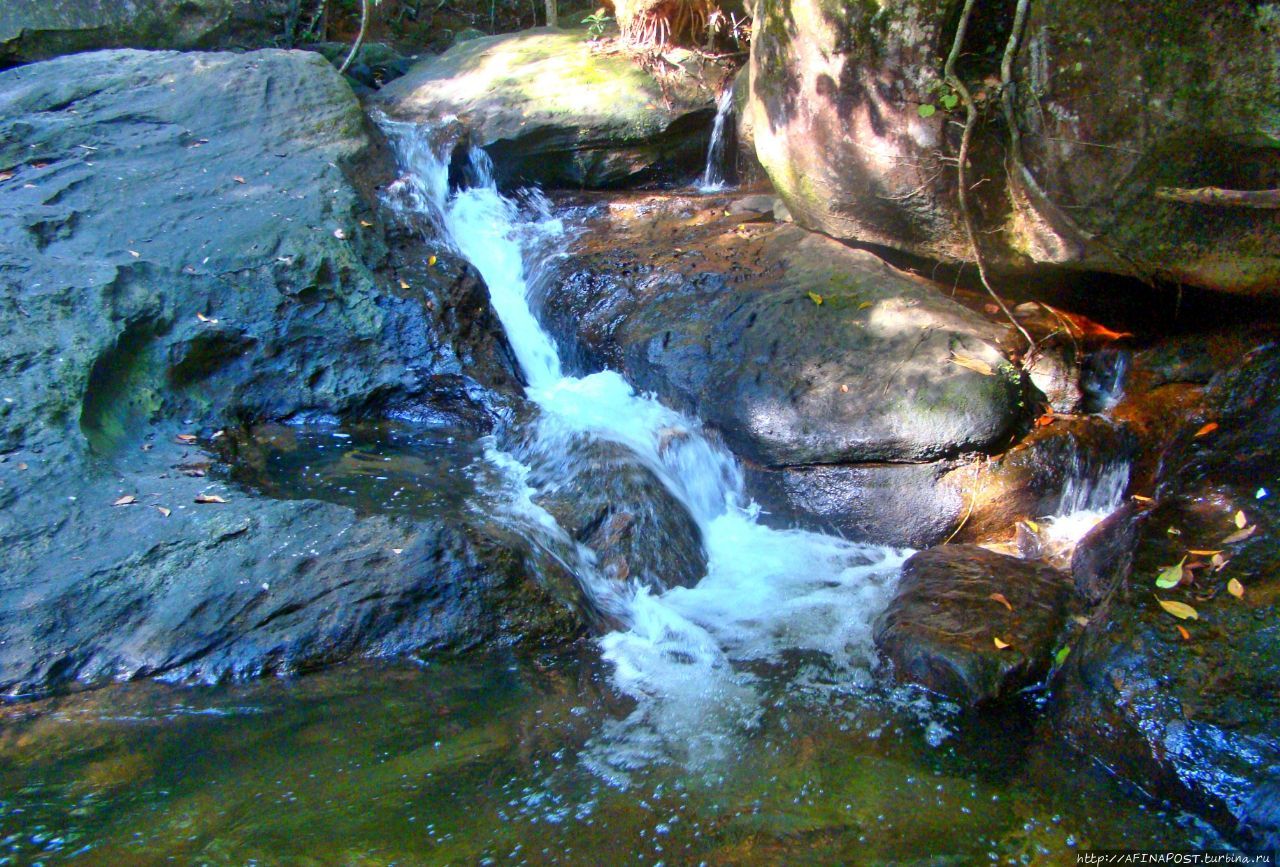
{"points": [[40, 29], [940, 629], [190, 247], [1195, 720]]}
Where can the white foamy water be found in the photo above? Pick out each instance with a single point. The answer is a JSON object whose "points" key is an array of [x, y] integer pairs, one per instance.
{"points": [[767, 592], [713, 174]]}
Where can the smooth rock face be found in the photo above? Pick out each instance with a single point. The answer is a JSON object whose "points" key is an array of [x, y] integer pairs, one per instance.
{"points": [[866, 375], [41, 29], [609, 501], [183, 252], [1192, 100], [550, 111], [1195, 720], [847, 412], [940, 629]]}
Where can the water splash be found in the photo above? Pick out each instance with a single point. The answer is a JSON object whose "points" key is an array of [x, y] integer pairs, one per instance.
{"points": [[713, 175], [767, 593]]}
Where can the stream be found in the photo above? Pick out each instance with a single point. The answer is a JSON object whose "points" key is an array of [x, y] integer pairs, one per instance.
{"points": [[740, 720]]}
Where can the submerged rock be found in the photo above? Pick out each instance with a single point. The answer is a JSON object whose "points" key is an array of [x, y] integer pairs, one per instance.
{"points": [[550, 109], [941, 629], [186, 250], [853, 125], [41, 29], [1194, 718]]}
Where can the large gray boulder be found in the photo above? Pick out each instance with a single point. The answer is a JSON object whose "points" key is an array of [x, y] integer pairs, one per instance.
{"points": [[1113, 104], [552, 110], [41, 29], [847, 412], [186, 248]]}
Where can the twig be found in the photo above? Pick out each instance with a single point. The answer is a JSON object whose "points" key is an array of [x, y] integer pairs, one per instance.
{"points": [[1268, 199], [364, 24], [971, 118]]}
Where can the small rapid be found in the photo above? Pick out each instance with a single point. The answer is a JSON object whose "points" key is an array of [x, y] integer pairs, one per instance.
{"points": [[683, 654]]}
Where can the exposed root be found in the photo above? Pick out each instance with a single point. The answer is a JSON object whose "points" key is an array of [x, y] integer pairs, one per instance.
{"points": [[650, 24], [971, 118]]}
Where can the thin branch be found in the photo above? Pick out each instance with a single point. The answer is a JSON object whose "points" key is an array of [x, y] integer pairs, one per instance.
{"points": [[1267, 199], [364, 25], [971, 118]]}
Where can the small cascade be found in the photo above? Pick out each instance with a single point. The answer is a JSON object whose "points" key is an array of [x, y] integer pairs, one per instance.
{"points": [[713, 179], [682, 653], [1089, 496]]}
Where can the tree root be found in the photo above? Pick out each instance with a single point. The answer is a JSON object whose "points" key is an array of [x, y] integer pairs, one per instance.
{"points": [[1266, 199], [971, 118]]}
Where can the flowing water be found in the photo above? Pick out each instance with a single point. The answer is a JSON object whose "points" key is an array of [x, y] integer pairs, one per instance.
{"points": [[713, 175], [736, 721]]}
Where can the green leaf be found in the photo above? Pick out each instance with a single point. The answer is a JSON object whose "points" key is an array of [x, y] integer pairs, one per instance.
{"points": [[1062, 654], [926, 110], [815, 298], [950, 101], [1171, 577]]}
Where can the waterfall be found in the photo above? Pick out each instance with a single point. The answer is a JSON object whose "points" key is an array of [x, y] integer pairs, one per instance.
{"points": [[713, 174], [766, 591]]}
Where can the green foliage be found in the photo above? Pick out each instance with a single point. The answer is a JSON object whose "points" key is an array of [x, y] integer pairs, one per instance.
{"points": [[596, 23]]}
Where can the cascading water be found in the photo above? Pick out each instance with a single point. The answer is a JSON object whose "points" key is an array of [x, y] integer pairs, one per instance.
{"points": [[713, 175], [766, 593]]}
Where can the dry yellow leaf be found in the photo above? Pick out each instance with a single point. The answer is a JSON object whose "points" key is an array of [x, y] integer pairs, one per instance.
{"points": [[404, 285], [431, 260], [1240, 535], [1207, 429], [205, 499], [126, 500], [186, 438], [1202, 553], [1241, 520], [1141, 499], [1180, 610], [977, 365], [162, 510], [999, 597], [1000, 645], [1235, 588]]}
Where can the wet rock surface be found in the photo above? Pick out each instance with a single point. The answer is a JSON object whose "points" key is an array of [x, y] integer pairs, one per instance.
{"points": [[833, 374], [185, 251], [552, 110], [1194, 718], [940, 630], [608, 500], [40, 29]]}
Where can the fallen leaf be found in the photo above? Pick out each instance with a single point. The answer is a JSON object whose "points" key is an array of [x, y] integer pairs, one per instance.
{"points": [[217, 434], [1182, 630], [815, 298], [999, 597], [204, 499], [431, 260], [126, 500], [404, 285], [865, 304], [397, 550], [1032, 526], [1000, 645], [1170, 576], [239, 180], [1235, 588], [977, 365], [366, 224], [186, 438], [1174, 531], [135, 254], [1080, 621], [339, 234], [1240, 535], [1207, 429], [4, 176], [1200, 553], [1141, 499], [1045, 420], [1180, 610], [22, 466], [1062, 654], [1241, 520], [844, 389], [206, 319], [1219, 562], [162, 510]]}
